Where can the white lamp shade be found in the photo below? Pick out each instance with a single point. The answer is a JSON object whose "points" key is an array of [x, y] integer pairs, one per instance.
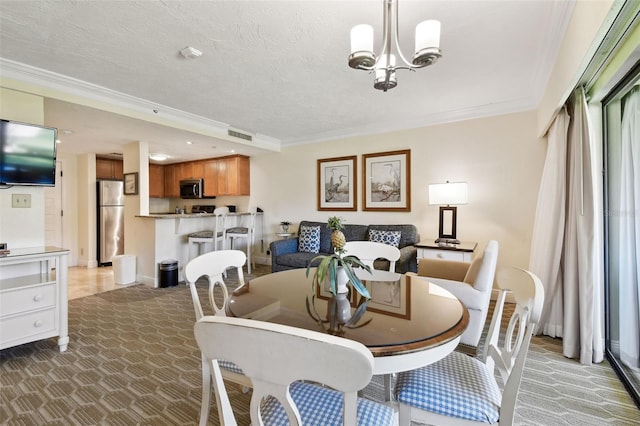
{"points": [[362, 38], [427, 35], [448, 193]]}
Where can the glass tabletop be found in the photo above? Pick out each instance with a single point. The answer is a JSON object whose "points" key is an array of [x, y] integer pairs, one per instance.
{"points": [[406, 312]]}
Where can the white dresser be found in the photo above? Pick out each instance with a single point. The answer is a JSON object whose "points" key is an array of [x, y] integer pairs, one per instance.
{"points": [[432, 250], [33, 298]]}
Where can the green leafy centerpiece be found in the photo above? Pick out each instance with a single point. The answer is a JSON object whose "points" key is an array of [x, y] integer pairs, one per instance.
{"points": [[336, 271]]}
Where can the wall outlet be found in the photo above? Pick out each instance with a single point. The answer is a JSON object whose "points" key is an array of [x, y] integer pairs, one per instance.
{"points": [[21, 201]]}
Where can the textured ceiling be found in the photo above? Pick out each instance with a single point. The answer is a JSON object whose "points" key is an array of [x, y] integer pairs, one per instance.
{"points": [[275, 69]]}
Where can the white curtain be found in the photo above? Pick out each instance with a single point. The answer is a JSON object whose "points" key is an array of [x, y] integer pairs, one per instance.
{"points": [[563, 249], [629, 238], [548, 228]]}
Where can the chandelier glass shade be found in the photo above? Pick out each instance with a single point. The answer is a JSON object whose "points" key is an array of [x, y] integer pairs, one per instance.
{"points": [[384, 66]]}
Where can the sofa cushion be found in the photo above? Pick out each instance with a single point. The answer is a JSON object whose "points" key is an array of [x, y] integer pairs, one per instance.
{"points": [[309, 241], [391, 238], [325, 234], [297, 260], [408, 233]]}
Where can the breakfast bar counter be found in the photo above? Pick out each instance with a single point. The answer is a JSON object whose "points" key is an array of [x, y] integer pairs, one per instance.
{"points": [[165, 236]]}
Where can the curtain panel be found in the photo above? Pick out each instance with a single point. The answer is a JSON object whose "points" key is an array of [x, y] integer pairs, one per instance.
{"points": [[563, 251]]}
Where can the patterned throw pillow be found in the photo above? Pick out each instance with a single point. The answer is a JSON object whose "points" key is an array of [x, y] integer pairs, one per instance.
{"points": [[309, 240], [391, 238]]}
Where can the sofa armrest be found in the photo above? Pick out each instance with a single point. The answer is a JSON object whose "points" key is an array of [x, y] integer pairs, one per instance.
{"points": [[469, 296], [408, 260], [446, 269], [286, 246]]}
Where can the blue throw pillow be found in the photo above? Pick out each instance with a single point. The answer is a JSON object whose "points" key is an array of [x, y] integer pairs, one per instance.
{"points": [[309, 240], [391, 238]]}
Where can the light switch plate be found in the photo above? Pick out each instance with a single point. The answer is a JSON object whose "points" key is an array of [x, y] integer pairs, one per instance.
{"points": [[21, 201]]}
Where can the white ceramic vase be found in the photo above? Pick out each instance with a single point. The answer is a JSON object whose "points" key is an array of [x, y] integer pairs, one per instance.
{"points": [[342, 279]]}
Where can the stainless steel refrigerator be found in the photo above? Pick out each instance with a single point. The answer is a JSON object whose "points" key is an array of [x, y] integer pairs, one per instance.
{"points": [[110, 220]]}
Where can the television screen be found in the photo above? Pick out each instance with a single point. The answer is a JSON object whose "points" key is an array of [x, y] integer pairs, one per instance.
{"points": [[27, 154]]}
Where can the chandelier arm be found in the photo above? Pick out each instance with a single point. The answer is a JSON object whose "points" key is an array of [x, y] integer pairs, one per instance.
{"points": [[397, 35]]}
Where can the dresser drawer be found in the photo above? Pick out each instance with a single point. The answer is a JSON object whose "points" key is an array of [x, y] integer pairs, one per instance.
{"points": [[444, 254], [24, 326], [27, 299]]}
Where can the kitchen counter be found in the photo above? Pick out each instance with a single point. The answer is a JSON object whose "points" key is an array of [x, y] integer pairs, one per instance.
{"points": [[165, 236], [187, 215]]}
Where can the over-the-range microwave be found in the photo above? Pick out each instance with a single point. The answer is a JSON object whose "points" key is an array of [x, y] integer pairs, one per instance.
{"points": [[191, 188]]}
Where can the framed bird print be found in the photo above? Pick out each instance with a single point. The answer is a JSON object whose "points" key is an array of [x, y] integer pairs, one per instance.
{"points": [[337, 189], [386, 181]]}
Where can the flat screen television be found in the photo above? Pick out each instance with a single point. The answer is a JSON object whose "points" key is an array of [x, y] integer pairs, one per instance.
{"points": [[27, 154]]}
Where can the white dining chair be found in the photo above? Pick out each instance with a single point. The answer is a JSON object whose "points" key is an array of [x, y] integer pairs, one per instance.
{"points": [[211, 266], [369, 251], [216, 237], [463, 390], [316, 386], [244, 232]]}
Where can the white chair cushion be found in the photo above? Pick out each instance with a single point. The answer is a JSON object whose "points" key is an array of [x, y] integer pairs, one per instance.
{"points": [[456, 386], [323, 406]]}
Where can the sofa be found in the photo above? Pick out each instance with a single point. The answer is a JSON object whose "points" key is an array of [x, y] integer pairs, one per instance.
{"points": [[285, 254]]}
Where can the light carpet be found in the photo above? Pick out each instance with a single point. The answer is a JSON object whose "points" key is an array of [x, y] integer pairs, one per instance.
{"points": [[132, 359]]}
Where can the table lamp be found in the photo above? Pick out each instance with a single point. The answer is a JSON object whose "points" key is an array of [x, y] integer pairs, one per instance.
{"points": [[445, 195]]}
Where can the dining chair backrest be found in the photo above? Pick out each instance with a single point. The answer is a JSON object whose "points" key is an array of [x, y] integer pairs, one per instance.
{"points": [[212, 266], [263, 350], [369, 251], [508, 356]]}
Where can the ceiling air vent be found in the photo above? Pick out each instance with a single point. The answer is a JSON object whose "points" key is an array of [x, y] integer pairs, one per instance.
{"points": [[239, 135]]}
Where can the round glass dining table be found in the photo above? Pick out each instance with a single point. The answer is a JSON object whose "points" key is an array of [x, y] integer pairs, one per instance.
{"points": [[413, 322]]}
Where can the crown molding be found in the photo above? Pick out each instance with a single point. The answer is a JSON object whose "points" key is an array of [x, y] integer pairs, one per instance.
{"points": [[62, 87]]}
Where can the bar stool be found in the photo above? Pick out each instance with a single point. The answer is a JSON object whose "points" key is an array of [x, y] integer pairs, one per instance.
{"points": [[246, 232], [214, 237]]}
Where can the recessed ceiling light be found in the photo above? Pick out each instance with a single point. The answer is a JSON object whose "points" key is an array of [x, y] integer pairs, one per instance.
{"points": [[158, 157], [58, 141], [189, 142]]}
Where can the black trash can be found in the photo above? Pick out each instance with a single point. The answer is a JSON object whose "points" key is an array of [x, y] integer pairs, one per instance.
{"points": [[168, 273]]}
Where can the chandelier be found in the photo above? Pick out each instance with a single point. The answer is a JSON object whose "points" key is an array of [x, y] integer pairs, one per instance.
{"points": [[427, 48]]}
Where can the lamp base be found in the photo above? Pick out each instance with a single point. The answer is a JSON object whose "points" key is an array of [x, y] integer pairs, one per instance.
{"points": [[447, 241]]}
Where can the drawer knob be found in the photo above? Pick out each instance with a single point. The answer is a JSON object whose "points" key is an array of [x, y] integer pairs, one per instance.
{"points": [[440, 255], [38, 323], [37, 298]]}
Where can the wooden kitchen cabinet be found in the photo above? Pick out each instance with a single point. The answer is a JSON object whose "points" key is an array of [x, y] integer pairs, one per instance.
{"points": [[222, 176], [233, 175], [210, 177], [108, 168], [156, 180], [172, 173]]}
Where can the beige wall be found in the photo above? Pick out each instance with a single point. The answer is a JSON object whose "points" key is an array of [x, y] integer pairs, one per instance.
{"points": [[586, 29], [500, 157]]}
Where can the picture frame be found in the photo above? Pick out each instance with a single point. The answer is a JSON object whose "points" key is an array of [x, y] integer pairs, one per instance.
{"points": [[337, 188], [390, 297], [386, 181], [130, 181]]}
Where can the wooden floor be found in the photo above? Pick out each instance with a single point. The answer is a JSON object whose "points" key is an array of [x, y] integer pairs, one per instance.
{"points": [[87, 281]]}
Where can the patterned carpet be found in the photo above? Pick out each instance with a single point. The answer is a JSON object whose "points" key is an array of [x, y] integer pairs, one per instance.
{"points": [[132, 359]]}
